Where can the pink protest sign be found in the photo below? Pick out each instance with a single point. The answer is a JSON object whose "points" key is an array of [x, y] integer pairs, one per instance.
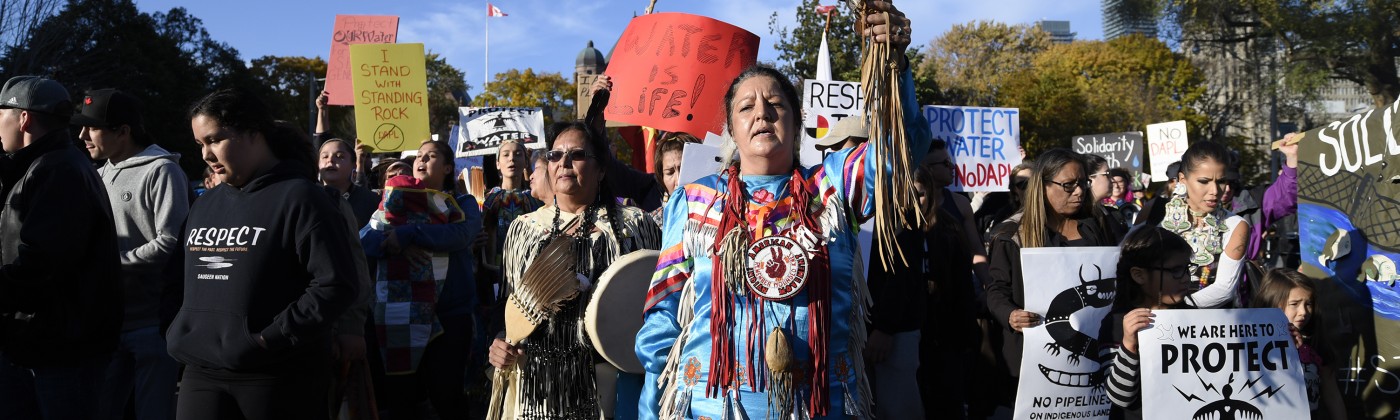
{"points": [[350, 30]]}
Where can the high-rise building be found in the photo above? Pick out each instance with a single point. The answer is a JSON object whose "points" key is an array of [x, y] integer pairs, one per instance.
{"points": [[1123, 18], [1058, 29]]}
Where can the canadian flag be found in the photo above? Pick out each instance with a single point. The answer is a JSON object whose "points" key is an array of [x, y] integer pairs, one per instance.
{"points": [[493, 11]]}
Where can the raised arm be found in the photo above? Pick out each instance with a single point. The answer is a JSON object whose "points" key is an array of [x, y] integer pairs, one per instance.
{"points": [[1229, 268]]}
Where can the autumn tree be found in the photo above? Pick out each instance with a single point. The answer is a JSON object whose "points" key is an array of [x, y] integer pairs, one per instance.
{"points": [[292, 81], [515, 88], [798, 46], [971, 62], [1096, 87], [1354, 40], [166, 59], [445, 85]]}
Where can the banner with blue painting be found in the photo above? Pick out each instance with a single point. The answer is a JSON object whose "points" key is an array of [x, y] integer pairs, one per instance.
{"points": [[1349, 223]]}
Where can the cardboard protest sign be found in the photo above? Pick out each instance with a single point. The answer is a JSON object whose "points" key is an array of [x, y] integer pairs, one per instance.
{"points": [[391, 95], [1062, 367], [481, 130], [1349, 239], [1121, 150], [1221, 364], [1165, 144], [824, 103], [984, 143], [350, 30], [670, 71]]}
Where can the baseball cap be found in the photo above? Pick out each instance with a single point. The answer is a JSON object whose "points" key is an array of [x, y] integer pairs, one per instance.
{"points": [[34, 93], [853, 126], [1173, 170], [108, 108]]}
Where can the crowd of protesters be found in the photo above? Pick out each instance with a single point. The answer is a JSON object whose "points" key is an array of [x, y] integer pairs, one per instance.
{"points": [[308, 278]]}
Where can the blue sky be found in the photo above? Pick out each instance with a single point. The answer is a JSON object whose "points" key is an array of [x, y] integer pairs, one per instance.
{"points": [[548, 34]]}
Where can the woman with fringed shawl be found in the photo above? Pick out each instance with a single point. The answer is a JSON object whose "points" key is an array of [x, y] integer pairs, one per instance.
{"points": [[550, 374], [758, 307]]}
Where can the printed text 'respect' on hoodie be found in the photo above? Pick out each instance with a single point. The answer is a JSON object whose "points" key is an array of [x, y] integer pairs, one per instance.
{"points": [[271, 258]]}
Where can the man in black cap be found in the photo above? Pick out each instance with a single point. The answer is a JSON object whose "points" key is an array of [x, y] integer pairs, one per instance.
{"points": [[149, 200], [60, 302]]}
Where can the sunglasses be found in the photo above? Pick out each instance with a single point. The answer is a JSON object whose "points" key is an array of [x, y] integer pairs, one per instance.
{"points": [[1020, 183], [1069, 187], [573, 155]]}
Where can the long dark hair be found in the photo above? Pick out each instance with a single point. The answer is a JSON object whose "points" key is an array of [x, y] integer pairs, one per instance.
{"points": [[1036, 209], [1145, 247], [246, 113], [444, 150], [1202, 151], [603, 154], [1277, 285]]}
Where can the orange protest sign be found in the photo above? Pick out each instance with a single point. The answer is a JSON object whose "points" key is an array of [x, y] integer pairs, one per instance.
{"points": [[350, 30], [670, 71]]}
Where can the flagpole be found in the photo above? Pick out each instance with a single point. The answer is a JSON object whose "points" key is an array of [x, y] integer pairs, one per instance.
{"points": [[486, 69]]}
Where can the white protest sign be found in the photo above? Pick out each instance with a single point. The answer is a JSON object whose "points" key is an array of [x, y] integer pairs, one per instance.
{"points": [[1063, 365], [1221, 364], [1165, 144], [481, 130], [824, 103], [698, 161], [984, 143]]}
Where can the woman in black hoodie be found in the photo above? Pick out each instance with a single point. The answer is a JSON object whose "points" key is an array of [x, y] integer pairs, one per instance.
{"points": [[267, 271]]}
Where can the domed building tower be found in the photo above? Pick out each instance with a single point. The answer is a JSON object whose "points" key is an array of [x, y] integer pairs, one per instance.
{"points": [[587, 67]]}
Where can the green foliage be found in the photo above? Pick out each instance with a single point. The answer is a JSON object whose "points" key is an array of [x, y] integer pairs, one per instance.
{"points": [[166, 59], [973, 62], [290, 80], [1098, 87], [445, 85], [516, 88], [798, 47]]}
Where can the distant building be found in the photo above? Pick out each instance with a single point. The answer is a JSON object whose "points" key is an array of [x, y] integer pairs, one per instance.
{"points": [[1339, 100], [1058, 29], [1119, 19], [587, 67]]}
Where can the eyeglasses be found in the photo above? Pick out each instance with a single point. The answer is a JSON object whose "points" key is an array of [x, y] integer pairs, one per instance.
{"points": [[1069, 187], [1179, 272], [1092, 176], [573, 155]]}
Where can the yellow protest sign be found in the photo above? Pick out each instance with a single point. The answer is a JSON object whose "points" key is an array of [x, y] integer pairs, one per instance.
{"points": [[391, 95]]}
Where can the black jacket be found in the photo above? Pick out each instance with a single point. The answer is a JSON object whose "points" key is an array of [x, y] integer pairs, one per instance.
{"points": [[60, 283], [1006, 291], [272, 258]]}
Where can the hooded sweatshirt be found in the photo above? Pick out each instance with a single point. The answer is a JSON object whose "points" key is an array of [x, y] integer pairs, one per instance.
{"points": [[270, 258], [149, 200]]}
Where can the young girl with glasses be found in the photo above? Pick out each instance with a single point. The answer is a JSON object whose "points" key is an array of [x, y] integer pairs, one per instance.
{"points": [[1153, 273]]}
